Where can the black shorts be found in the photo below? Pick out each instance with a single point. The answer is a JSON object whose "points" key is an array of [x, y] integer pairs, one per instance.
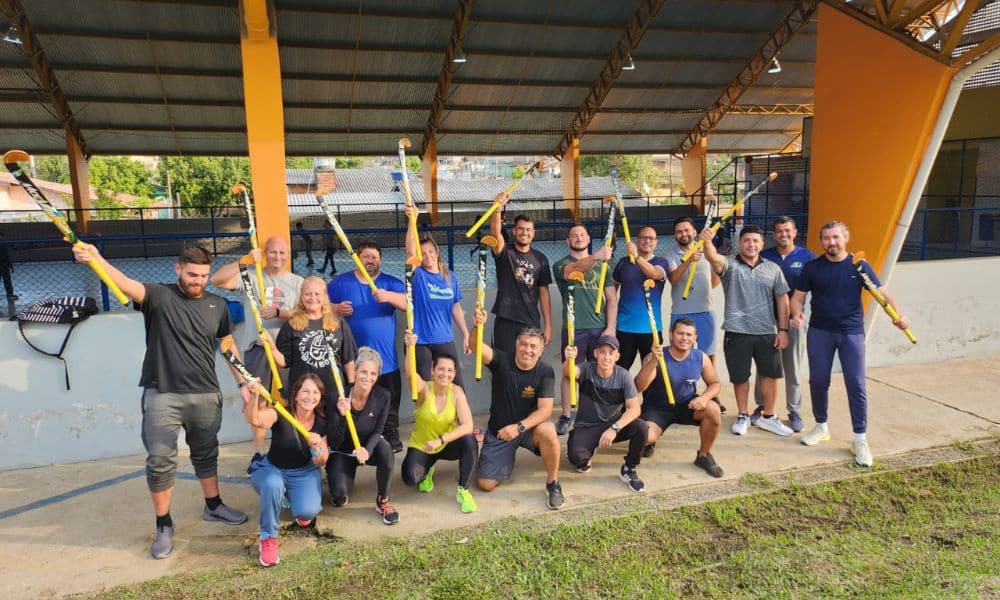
{"points": [[496, 457], [741, 348], [665, 417]]}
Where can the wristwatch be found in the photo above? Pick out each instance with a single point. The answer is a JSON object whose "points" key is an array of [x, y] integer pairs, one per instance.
{"points": [[616, 427], [780, 329], [520, 427]]}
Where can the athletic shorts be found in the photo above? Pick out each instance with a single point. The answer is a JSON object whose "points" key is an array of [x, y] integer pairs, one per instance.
{"points": [[664, 417], [741, 348], [496, 457], [704, 324], [586, 342]]}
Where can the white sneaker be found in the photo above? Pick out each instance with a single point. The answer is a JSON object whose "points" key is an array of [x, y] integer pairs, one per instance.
{"points": [[741, 424], [817, 435], [862, 454], [774, 425]]}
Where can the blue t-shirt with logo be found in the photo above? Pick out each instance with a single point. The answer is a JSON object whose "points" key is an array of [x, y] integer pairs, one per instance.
{"points": [[373, 323], [791, 264], [632, 314], [836, 294], [433, 299]]}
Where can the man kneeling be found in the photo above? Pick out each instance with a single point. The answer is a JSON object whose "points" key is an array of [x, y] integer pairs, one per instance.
{"points": [[609, 410], [685, 365]]}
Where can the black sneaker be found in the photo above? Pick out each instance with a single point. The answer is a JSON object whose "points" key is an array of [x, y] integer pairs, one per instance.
{"points": [[338, 502], [562, 425], [388, 512], [585, 467], [631, 478], [554, 491], [257, 457], [722, 407], [647, 452], [397, 446], [707, 462]]}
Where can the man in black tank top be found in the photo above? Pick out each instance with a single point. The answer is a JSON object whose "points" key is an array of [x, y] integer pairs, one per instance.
{"points": [[691, 408]]}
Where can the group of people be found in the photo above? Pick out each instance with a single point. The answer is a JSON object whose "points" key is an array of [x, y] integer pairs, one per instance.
{"points": [[342, 379]]}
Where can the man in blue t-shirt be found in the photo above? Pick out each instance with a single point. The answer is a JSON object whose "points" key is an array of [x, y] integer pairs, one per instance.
{"points": [[837, 325], [372, 317], [633, 330], [791, 259]]}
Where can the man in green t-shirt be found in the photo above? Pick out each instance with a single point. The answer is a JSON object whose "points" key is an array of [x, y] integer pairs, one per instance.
{"points": [[589, 325]]}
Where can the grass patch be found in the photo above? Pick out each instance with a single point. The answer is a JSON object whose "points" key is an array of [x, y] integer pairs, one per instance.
{"points": [[929, 532], [756, 480]]}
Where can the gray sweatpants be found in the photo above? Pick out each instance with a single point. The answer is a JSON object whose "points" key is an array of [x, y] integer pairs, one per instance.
{"points": [[163, 415], [792, 359]]}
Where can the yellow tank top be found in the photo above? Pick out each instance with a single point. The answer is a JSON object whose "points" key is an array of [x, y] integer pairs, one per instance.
{"points": [[428, 423]]}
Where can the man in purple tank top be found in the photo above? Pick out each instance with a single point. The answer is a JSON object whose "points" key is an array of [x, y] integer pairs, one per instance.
{"points": [[685, 366]]}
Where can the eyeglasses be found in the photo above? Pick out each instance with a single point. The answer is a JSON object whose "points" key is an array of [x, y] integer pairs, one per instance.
{"points": [[647, 238]]}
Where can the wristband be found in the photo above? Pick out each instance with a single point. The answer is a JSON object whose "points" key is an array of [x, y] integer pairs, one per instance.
{"points": [[315, 453], [441, 437], [782, 329]]}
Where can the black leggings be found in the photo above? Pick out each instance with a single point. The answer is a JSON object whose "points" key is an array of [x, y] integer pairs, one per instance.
{"points": [[393, 382], [583, 442], [426, 353], [464, 450], [632, 343], [341, 468]]}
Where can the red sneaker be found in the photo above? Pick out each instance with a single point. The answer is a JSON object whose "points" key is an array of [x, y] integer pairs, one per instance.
{"points": [[384, 508], [303, 523], [269, 552]]}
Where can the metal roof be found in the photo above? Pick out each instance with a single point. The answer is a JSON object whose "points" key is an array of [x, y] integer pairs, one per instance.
{"points": [[164, 76]]}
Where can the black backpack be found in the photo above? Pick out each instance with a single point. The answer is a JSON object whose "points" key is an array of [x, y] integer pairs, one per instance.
{"points": [[68, 310]]}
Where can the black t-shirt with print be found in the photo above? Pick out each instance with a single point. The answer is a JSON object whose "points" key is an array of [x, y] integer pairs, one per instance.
{"points": [[180, 340], [515, 393], [289, 450], [306, 352], [369, 422], [519, 275]]}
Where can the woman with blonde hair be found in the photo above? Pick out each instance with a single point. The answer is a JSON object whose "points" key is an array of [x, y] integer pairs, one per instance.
{"points": [[304, 343], [436, 304]]}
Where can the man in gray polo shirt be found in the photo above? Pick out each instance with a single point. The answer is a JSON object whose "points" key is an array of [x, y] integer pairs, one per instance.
{"points": [[755, 290]]}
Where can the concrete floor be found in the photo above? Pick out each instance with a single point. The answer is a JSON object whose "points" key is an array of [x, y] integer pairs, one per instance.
{"points": [[85, 527]]}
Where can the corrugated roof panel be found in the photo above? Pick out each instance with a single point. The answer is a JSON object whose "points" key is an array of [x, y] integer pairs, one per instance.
{"points": [[26, 113], [642, 122], [749, 141], [501, 119], [105, 84], [404, 120], [379, 30], [665, 98], [208, 116], [544, 69], [454, 119], [114, 15], [693, 45], [133, 142], [228, 143], [743, 122], [346, 62], [707, 74], [36, 141], [612, 144], [125, 114], [214, 88], [359, 92], [95, 51], [492, 144], [723, 14], [331, 118], [595, 12], [770, 95], [539, 38], [502, 96]]}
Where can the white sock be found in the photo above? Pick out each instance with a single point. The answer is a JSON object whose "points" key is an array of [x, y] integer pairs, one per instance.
{"points": [[860, 437], [823, 427]]}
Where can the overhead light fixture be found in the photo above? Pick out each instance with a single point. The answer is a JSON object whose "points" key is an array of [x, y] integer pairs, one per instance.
{"points": [[12, 36], [629, 64], [459, 57], [775, 66]]}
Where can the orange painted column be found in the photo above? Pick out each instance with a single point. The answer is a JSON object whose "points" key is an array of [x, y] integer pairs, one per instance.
{"points": [[569, 169], [265, 119], [693, 169], [876, 103], [429, 173], [79, 178]]}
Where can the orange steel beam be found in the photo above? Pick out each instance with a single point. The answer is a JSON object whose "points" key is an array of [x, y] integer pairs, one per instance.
{"points": [[33, 49], [79, 178], [880, 12], [569, 173], [264, 116], [759, 62], [463, 10], [643, 17]]}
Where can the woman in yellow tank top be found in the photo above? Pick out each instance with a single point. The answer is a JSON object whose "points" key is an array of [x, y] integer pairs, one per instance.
{"points": [[442, 430]]}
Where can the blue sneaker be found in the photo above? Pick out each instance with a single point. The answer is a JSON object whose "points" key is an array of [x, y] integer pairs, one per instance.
{"points": [[795, 421], [755, 415]]}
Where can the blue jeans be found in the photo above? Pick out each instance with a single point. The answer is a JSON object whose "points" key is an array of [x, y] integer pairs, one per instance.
{"points": [[821, 345], [303, 486]]}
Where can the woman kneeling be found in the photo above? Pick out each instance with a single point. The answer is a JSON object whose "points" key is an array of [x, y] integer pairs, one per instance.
{"points": [[436, 436], [292, 465]]}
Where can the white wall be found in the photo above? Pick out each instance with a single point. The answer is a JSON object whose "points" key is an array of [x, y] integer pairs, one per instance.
{"points": [[952, 306]]}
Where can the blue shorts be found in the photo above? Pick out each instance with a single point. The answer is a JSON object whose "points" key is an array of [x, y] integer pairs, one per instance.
{"points": [[704, 324], [586, 343]]}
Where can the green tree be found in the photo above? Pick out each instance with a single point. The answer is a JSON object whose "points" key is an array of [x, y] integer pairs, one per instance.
{"points": [[120, 175], [348, 162], [721, 176], [108, 207], [204, 182], [298, 162], [52, 168], [635, 170]]}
